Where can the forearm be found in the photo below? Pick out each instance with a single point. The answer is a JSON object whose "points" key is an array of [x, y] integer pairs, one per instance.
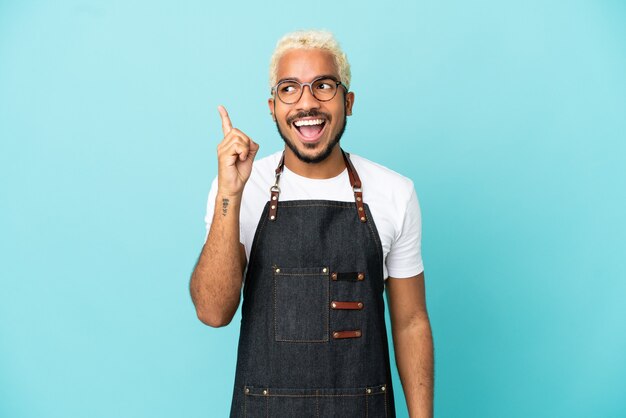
{"points": [[413, 346], [217, 278]]}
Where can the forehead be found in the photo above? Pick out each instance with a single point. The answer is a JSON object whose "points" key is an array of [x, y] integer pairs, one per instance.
{"points": [[306, 64]]}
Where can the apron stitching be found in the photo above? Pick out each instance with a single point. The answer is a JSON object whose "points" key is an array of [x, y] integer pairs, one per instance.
{"points": [[282, 206], [298, 274], [317, 404], [280, 395], [275, 308], [377, 240], [385, 404], [328, 306]]}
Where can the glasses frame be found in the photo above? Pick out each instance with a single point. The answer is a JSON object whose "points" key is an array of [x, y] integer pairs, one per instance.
{"points": [[338, 83]]}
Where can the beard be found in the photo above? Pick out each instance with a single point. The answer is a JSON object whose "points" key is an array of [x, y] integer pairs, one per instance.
{"points": [[326, 151]]}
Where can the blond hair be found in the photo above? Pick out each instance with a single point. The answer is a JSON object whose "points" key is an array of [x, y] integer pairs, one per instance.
{"points": [[309, 39]]}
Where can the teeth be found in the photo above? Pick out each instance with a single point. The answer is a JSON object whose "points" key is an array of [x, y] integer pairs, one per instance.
{"points": [[308, 122]]}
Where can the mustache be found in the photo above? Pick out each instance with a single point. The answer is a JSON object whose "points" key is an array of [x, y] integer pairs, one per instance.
{"points": [[308, 114]]}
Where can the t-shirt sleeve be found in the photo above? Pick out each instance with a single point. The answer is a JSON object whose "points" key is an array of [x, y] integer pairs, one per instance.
{"points": [[405, 255], [210, 209]]}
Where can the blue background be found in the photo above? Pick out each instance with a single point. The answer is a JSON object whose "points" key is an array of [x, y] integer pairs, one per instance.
{"points": [[510, 117]]}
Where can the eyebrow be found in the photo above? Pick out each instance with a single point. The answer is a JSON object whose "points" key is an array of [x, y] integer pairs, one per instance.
{"points": [[332, 77]]}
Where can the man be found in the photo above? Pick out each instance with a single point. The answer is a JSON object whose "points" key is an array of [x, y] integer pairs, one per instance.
{"points": [[320, 234]]}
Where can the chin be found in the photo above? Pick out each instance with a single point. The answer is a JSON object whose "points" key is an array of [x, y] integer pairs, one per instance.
{"points": [[312, 153]]}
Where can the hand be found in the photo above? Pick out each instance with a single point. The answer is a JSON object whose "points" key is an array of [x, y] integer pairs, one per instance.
{"points": [[235, 155]]}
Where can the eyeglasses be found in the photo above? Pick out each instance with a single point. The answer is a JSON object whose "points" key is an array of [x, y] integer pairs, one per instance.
{"points": [[323, 89]]}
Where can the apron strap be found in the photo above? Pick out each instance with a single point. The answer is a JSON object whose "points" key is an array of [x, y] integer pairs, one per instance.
{"points": [[355, 182], [275, 190]]}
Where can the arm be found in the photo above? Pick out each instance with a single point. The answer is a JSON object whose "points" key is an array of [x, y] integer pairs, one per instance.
{"points": [[217, 278], [413, 342], [216, 281]]}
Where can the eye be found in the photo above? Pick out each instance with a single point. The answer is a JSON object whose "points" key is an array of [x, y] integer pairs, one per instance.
{"points": [[324, 85], [288, 88]]}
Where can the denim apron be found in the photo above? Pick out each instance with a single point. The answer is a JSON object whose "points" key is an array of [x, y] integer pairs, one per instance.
{"points": [[313, 341]]}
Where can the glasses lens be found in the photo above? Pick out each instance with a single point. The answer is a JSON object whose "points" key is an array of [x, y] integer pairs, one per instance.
{"points": [[324, 89], [289, 91]]}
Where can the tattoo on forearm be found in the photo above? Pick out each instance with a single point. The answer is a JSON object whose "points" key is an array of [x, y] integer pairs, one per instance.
{"points": [[224, 206]]}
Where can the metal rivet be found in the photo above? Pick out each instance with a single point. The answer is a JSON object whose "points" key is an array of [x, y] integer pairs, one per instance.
{"points": [[335, 334], [334, 276], [272, 217], [324, 270], [382, 388], [358, 333], [273, 206], [334, 305], [273, 197], [277, 270], [369, 390], [247, 390], [360, 304], [358, 199], [360, 208], [362, 218], [264, 392], [360, 276]]}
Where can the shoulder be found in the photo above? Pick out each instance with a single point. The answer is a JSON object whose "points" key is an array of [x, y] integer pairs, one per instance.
{"points": [[382, 180]]}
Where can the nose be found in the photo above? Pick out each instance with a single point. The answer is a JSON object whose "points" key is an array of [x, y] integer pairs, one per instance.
{"points": [[307, 100]]}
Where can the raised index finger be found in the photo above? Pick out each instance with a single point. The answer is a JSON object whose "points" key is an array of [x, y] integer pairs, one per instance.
{"points": [[226, 125]]}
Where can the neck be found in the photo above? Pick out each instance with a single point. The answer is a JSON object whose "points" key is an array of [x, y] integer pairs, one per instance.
{"points": [[330, 167]]}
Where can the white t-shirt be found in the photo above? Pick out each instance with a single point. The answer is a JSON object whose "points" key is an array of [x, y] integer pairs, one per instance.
{"points": [[390, 196]]}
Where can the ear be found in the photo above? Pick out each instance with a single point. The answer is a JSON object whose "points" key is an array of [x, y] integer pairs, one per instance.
{"points": [[349, 103], [270, 104]]}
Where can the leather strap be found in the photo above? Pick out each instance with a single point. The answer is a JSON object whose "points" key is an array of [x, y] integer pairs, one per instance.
{"points": [[275, 190], [350, 276], [335, 304], [355, 182], [347, 334]]}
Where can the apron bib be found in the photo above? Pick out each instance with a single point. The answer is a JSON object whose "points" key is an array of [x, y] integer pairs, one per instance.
{"points": [[313, 341]]}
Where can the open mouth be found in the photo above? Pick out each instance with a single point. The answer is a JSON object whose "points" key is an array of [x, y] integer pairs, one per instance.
{"points": [[310, 130]]}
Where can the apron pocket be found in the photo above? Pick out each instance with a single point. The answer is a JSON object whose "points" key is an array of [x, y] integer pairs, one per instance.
{"points": [[362, 402], [301, 298]]}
